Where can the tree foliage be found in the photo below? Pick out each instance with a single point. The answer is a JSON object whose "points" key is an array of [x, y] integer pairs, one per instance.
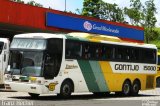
{"points": [[150, 21], [111, 12], [135, 12], [91, 8], [33, 3], [102, 10], [19, 1]]}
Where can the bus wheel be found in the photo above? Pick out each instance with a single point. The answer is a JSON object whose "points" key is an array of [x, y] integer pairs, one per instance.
{"points": [[33, 95], [66, 89], [126, 88], [158, 82], [135, 87]]}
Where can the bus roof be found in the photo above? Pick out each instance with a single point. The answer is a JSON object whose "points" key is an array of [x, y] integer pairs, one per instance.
{"points": [[107, 40], [86, 37], [5, 40], [39, 35], [131, 44]]}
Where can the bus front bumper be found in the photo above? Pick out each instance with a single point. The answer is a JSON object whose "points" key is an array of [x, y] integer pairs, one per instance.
{"points": [[27, 87]]}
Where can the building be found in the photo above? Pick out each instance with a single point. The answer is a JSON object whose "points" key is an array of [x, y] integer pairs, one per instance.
{"points": [[18, 18]]}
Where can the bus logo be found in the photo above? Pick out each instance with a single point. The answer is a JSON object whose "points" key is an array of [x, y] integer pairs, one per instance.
{"points": [[87, 25]]}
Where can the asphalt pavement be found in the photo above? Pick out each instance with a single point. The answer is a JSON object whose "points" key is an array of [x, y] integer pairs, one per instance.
{"points": [[145, 98]]}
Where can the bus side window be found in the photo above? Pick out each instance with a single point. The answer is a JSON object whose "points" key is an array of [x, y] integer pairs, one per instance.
{"points": [[118, 53], [104, 53], [91, 51], [77, 50], [110, 52], [127, 54], [107, 52], [122, 53], [135, 55], [86, 53], [99, 52], [73, 49], [149, 55]]}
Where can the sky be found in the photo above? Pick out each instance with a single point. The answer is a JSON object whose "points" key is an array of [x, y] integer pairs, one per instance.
{"points": [[72, 5]]}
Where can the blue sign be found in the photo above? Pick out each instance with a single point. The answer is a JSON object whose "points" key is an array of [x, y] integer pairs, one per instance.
{"points": [[78, 24]]}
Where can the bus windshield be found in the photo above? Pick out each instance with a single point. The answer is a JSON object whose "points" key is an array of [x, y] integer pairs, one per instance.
{"points": [[1, 47], [28, 62], [31, 64]]}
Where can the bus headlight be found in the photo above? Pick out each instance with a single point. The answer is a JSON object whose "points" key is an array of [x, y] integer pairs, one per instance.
{"points": [[39, 82], [32, 79], [35, 80]]}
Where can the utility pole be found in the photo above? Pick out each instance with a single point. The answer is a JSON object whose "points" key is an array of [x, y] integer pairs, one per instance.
{"points": [[65, 5]]}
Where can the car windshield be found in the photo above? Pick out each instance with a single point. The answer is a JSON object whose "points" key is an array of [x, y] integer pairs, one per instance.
{"points": [[29, 62]]}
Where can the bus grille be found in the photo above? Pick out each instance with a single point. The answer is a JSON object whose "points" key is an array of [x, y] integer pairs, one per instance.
{"points": [[150, 82]]}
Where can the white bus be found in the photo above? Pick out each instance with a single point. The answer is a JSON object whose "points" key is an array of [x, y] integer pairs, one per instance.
{"points": [[63, 64], [4, 54]]}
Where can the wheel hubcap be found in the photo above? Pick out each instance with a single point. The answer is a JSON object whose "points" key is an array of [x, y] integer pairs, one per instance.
{"points": [[66, 89], [126, 88], [135, 88]]}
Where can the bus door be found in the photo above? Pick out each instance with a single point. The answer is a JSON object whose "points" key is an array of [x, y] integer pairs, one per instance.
{"points": [[53, 58]]}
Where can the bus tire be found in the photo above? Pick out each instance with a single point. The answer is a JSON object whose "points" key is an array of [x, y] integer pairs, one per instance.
{"points": [[158, 82], [126, 88], [136, 87], [33, 95], [66, 89]]}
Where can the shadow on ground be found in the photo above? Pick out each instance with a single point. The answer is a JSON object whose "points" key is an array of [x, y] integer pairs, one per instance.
{"points": [[75, 97]]}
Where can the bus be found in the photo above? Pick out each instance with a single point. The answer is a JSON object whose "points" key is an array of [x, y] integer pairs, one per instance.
{"points": [[63, 64], [4, 54], [158, 72]]}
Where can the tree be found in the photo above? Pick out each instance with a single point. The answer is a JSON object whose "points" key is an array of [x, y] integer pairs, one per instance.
{"points": [[111, 12], [135, 12], [78, 11], [143, 16], [102, 10], [19, 1], [33, 3], [150, 20], [91, 8]]}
